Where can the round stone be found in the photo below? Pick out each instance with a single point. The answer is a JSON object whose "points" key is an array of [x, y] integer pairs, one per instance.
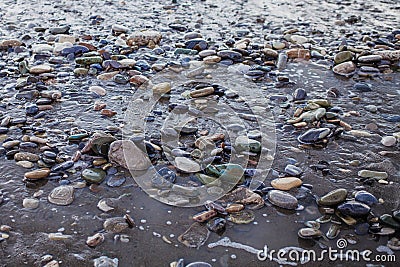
{"points": [[282, 199], [286, 183], [388, 141], [30, 203], [93, 175], [62, 195], [25, 164]]}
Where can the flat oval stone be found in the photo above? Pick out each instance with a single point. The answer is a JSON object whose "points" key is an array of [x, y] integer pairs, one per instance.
{"points": [[369, 59], [362, 87], [286, 183], [26, 156], [62, 166], [25, 164], [354, 209], [62, 195], [333, 198], [366, 198], [293, 170], [282, 199], [187, 165], [98, 90], [93, 175], [313, 136], [233, 55], [11, 144], [309, 233], [372, 174], [345, 69], [39, 69], [37, 174], [388, 141]]}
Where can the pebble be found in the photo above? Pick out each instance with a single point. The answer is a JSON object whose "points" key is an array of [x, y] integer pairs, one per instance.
{"points": [[119, 28], [371, 108], [293, 170], [372, 174], [388, 141], [346, 69], [37, 174], [93, 175], [30, 203], [286, 183], [105, 261], [282, 199], [187, 165], [26, 156], [343, 57], [11, 144], [98, 90], [40, 69], [25, 164], [333, 198], [369, 59], [126, 154], [162, 88], [62, 195]]}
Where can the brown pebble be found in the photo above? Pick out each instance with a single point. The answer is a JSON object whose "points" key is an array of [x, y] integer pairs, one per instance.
{"points": [[37, 174], [108, 112]]}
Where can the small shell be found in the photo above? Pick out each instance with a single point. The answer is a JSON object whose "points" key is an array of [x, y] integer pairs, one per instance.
{"points": [[324, 219], [313, 224], [166, 240], [95, 240], [102, 205]]}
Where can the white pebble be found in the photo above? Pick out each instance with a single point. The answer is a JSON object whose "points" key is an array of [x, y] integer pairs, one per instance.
{"points": [[143, 221], [233, 256], [141, 228], [156, 234], [168, 222]]}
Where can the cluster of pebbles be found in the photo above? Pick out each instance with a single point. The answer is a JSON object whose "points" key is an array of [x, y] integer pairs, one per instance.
{"points": [[36, 62]]}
